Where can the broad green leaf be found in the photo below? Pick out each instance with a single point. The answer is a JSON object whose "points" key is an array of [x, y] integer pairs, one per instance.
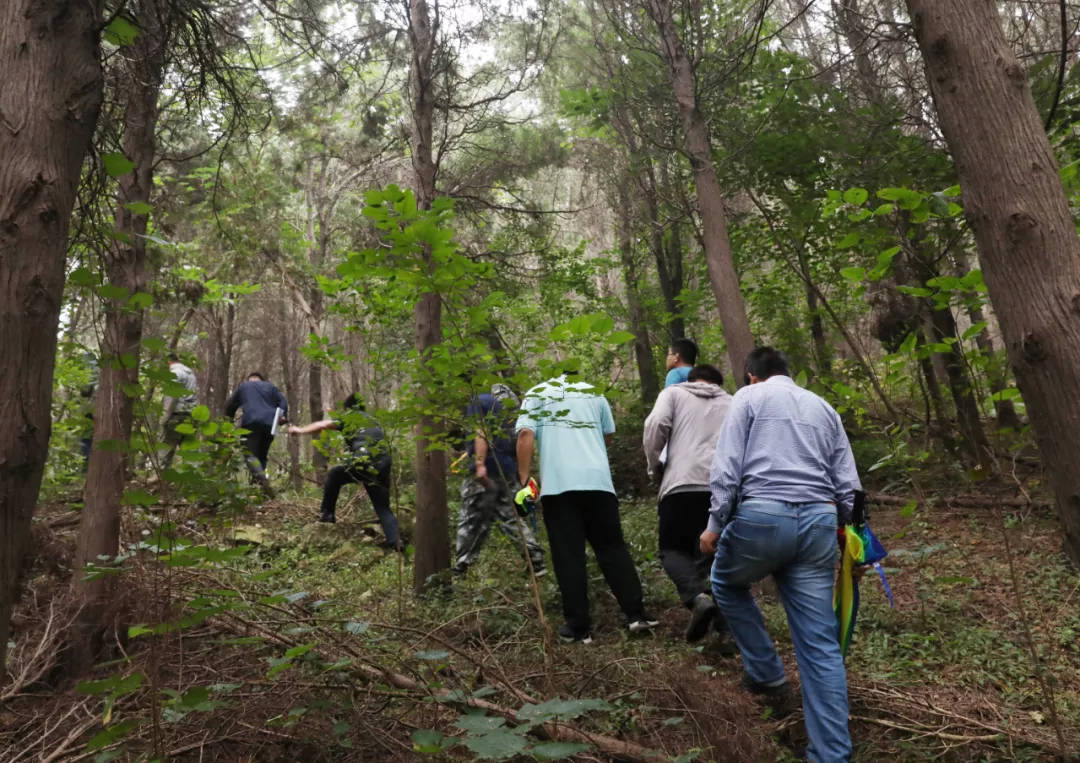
{"points": [[908, 510], [113, 733], [855, 195], [848, 241], [974, 330], [120, 32], [117, 165], [428, 741], [200, 413], [138, 497], [496, 745], [479, 723], [853, 274], [139, 207]]}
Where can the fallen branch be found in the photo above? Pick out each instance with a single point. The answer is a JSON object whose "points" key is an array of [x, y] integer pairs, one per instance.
{"points": [[929, 732]]}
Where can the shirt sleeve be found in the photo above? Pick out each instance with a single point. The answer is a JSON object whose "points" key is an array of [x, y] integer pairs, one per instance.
{"points": [[845, 475], [657, 429], [607, 421], [233, 404], [726, 474], [527, 418]]}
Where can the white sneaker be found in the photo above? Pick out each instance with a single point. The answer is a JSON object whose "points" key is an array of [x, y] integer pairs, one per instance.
{"points": [[642, 623]]}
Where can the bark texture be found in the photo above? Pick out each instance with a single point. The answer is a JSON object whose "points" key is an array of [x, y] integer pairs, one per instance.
{"points": [[650, 385], [431, 532], [718, 256], [142, 70], [49, 103], [1019, 213]]}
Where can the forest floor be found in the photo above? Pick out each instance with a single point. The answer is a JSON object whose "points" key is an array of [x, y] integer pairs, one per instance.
{"points": [[280, 639]]}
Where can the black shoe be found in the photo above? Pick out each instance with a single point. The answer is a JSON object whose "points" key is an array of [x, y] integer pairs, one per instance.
{"points": [[460, 569], [571, 636], [391, 546], [641, 623], [327, 518], [702, 616], [778, 698]]}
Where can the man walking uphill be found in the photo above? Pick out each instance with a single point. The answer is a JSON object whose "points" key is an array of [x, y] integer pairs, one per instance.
{"points": [[571, 423], [782, 478], [487, 495], [681, 357], [178, 409], [264, 407], [686, 421]]}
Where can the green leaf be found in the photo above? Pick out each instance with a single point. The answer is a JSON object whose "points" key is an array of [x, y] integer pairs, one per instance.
{"points": [[855, 275], [914, 291], [479, 723], [117, 165], [1006, 394], [109, 291], [855, 195], [115, 685], [200, 413], [620, 337], [138, 630], [120, 32], [428, 741], [112, 734], [138, 497], [139, 207], [974, 330], [557, 750], [847, 241], [496, 745], [908, 510], [140, 300], [433, 655]]}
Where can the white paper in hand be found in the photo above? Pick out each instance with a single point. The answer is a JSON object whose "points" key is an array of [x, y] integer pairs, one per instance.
{"points": [[274, 426]]}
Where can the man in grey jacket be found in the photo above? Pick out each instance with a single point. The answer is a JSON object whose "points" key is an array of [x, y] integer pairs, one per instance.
{"points": [[687, 419]]}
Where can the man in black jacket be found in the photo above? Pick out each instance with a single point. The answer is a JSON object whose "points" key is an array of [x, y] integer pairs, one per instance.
{"points": [[369, 464], [264, 408]]}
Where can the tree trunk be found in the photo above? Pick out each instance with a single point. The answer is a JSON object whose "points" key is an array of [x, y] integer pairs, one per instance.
{"points": [[431, 533], [996, 375], [650, 386], [315, 387], [291, 374], [718, 257], [125, 265], [667, 251], [1017, 208], [822, 352], [967, 409], [49, 104]]}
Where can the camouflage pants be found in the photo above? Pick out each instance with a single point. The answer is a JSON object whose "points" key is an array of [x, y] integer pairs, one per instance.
{"points": [[483, 505]]}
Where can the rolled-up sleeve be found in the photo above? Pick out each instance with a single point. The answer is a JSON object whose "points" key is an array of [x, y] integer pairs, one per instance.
{"points": [[726, 474]]}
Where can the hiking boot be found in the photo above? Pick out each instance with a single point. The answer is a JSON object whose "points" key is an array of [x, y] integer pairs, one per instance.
{"points": [[571, 636], [460, 569], [539, 571], [327, 518], [391, 545], [641, 623], [702, 615], [777, 698]]}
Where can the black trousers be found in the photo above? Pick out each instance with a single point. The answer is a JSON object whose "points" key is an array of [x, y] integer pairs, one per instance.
{"points": [[258, 442], [571, 519], [378, 490], [683, 517]]}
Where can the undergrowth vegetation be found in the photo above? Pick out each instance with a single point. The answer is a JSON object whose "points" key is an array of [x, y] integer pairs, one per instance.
{"points": [[262, 635]]}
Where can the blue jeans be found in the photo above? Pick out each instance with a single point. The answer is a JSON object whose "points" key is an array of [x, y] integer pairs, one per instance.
{"points": [[796, 544]]}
